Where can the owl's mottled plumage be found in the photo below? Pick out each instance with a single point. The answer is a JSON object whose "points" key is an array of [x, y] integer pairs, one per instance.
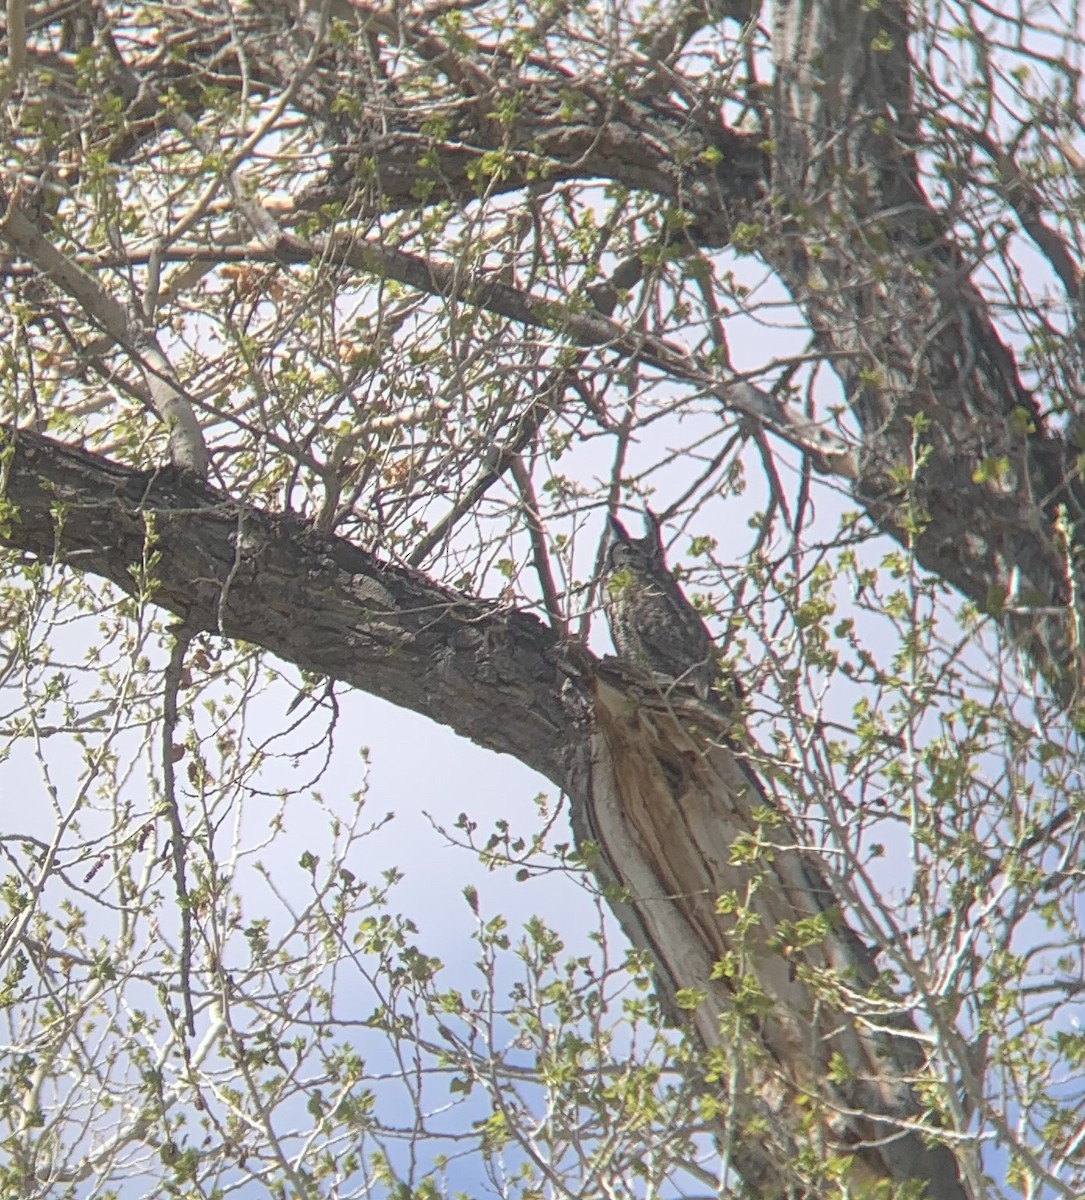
{"points": [[651, 621]]}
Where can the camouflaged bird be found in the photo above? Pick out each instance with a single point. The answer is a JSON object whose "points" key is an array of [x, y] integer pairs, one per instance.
{"points": [[651, 621]]}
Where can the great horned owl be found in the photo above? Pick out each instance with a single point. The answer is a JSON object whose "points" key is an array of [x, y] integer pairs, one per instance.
{"points": [[651, 621]]}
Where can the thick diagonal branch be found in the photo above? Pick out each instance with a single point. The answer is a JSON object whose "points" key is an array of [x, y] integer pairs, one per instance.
{"points": [[665, 809], [187, 447], [333, 609]]}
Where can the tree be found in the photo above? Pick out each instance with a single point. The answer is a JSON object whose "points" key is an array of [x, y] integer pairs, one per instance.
{"points": [[332, 331]]}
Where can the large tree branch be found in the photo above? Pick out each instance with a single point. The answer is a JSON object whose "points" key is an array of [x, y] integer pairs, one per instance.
{"points": [[328, 606], [563, 130], [671, 816]]}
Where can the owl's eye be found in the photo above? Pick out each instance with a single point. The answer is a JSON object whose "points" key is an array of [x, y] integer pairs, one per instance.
{"points": [[620, 556]]}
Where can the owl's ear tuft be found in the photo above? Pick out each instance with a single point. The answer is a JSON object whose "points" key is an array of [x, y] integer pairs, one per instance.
{"points": [[653, 534], [617, 530]]}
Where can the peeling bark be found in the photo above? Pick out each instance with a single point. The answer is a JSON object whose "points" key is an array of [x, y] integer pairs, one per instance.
{"points": [[725, 895]]}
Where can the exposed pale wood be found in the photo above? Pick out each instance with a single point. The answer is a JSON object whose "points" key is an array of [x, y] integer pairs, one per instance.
{"points": [[684, 822]]}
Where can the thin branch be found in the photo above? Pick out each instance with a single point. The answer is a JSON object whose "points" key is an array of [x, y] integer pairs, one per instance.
{"points": [[829, 453], [171, 685], [1013, 187], [496, 463], [537, 532], [16, 39]]}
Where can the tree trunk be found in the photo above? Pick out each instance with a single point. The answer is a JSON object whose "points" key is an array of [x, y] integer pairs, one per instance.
{"points": [[956, 458], [810, 1051]]}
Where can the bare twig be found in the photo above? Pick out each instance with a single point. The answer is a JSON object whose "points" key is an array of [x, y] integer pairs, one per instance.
{"points": [[171, 685], [537, 532]]}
